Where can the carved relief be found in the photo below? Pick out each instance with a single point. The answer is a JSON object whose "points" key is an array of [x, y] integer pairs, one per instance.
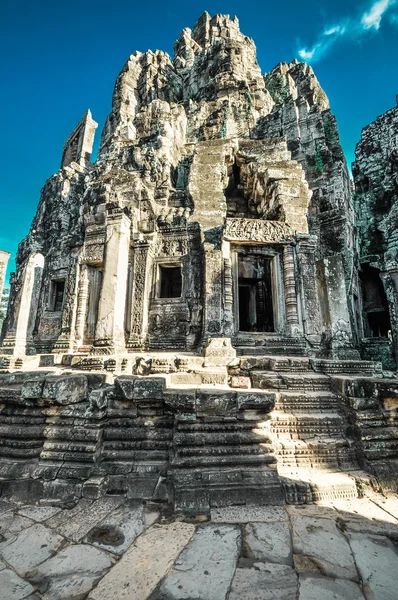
{"points": [[94, 244], [255, 230]]}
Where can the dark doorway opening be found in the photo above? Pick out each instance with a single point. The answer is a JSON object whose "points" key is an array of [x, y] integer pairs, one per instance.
{"points": [[170, 282], [375, 304], [255, 294]]}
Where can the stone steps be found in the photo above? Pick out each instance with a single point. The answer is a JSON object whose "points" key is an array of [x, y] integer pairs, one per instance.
{"points": [[329, 453], [289, 381], [306, 401], [311, 425], [306, 486], [200, 377]]}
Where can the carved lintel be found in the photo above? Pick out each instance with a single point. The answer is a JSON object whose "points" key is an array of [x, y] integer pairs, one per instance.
{"points": [[256, 230]]}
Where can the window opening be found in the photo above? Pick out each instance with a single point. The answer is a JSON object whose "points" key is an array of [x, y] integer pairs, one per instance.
{"points": [[57, 295]]}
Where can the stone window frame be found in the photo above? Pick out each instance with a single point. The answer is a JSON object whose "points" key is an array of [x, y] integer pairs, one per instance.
{"points": [[51, 299], [167, 262], [278, 292]]}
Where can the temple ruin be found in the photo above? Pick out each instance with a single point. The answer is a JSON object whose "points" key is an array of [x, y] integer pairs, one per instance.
{"points": [[195, 317]]}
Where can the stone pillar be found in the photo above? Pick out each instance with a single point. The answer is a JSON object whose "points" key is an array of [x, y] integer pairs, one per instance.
{"points": [[309, 313], [334, 308], [289, 277], [139, 304], [390, 282], [4, 256], [82, 305], [66, 339], [228, 291], [213, 288], [109, 332], [18, 340]]}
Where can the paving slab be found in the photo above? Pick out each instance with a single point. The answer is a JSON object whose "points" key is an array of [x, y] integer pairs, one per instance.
{"points": [[73, 587], [377, 561], [205, 569], [11, 525], [119, 529], [76, 527], [30, 547], [270, 542], [325, 547], [266, 581], [13, 587], [78, 558], [316, 587], [388, 503], [247, 514], [144, 564], [39, 513], [67, 514]]}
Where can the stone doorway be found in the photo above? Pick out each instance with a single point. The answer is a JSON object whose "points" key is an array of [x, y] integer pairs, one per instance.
{"points": [[255, 293]]}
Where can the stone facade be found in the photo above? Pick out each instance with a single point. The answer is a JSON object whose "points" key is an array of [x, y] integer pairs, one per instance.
{"points": [[376, 200], [203, 270]]}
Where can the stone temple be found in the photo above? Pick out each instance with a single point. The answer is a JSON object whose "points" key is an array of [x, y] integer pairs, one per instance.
{"points": [[207, 314]]}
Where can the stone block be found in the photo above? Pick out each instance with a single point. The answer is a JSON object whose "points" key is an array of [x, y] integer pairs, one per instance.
{"points": [[31, 547], [215, 402], [144, 564], [125, 384], [319, 547], [205, 567], [33, 388], [268, 542], [314, 587], [149, 388], [265, 581], [240, 382], [69, 389], [219, 352], [13, 587]]}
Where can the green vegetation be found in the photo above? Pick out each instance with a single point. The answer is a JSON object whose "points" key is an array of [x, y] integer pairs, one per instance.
{"points": [[319, 166], [278, 88]]}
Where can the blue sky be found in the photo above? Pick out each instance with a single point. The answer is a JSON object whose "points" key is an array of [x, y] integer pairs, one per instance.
{"points": [[58, 59]]}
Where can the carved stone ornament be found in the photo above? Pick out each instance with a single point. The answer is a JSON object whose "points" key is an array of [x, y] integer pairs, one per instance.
{"points": [[255, 230]]}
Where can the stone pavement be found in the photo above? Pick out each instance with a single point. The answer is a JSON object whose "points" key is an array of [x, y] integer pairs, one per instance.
{"points": [[113, 549]]}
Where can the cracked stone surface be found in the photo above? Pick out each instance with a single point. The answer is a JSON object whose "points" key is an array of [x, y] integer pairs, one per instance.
{"points": [[125, 550]]}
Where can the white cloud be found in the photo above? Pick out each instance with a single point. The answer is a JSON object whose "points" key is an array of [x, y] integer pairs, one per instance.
{"points": [[354, 28], [307, 54], [374, 16]]}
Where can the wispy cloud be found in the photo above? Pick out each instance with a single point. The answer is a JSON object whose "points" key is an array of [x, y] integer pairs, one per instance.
{"points": [[369, 20]]}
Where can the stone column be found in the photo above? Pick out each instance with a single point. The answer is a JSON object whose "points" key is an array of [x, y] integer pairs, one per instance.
{"points": [[139, 303], [66, 339], [82, 305], [18, 340], [309, 313], [228, 290], [213, 287], [289, 277], [334, 307], [109, 332], [4, 256], [390, 282]]}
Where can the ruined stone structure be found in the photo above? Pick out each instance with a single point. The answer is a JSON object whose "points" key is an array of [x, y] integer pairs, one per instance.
{"points": [[376, 204], [207, 259]]}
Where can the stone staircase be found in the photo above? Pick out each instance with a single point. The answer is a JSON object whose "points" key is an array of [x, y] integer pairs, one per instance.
{"points": [[316, 460]]}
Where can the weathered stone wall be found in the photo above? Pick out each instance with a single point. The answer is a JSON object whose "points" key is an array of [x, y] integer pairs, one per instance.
{"points": [[71, 436], [376, 199]]}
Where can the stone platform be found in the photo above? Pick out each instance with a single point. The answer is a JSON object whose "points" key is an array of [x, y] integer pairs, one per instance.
{"points": [[186, 431], [113, 549]]}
